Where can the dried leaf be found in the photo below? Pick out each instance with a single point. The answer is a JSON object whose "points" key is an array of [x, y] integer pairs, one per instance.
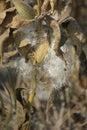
{"points": [[3, 37], [21, 44], [2, 5], [84, 81], [3, 14], [18, 37], [64, 10], [24, 48], [10, 54], [18, 21], [57, 34], [75, 33]]}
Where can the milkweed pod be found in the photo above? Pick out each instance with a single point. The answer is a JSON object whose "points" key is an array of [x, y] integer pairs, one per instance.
{"points": [[24, 9]]}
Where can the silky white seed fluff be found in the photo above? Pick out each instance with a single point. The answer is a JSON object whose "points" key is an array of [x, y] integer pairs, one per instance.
{"points": [[55, 71]]}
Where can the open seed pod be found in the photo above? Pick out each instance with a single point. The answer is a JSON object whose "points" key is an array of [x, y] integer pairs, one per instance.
{"points": [[32, 44]]}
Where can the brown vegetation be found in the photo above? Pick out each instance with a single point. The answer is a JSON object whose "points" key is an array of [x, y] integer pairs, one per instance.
{"points": [[43, 65]]}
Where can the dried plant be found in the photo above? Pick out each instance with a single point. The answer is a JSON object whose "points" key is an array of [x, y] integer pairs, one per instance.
{"points": [[44, 43]]}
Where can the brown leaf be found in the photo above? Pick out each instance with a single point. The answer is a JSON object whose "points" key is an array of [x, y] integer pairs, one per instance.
{"points": [[64, 10], [84, 81], [75, 33], [10, 54], [22, 45], [18, 37], [24, 48], [3, 14], [18, 21], [3, 37], [2, 5]]}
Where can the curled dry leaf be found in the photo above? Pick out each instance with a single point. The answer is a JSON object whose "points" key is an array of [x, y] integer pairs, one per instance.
{"points": [[18, 21], [74, 29], [3, 37], [75, 33], [24, 48], [18, 37], [22, 45], [3, 14], [64, 10], [10, 54], [56, 34]]}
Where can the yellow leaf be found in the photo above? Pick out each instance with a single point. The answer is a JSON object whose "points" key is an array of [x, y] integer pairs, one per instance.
{"points": [[41, 51], [31, 97], [32, 94]]}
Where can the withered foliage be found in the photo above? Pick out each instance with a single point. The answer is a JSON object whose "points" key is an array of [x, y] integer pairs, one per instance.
{"points": [[32, 30]]}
